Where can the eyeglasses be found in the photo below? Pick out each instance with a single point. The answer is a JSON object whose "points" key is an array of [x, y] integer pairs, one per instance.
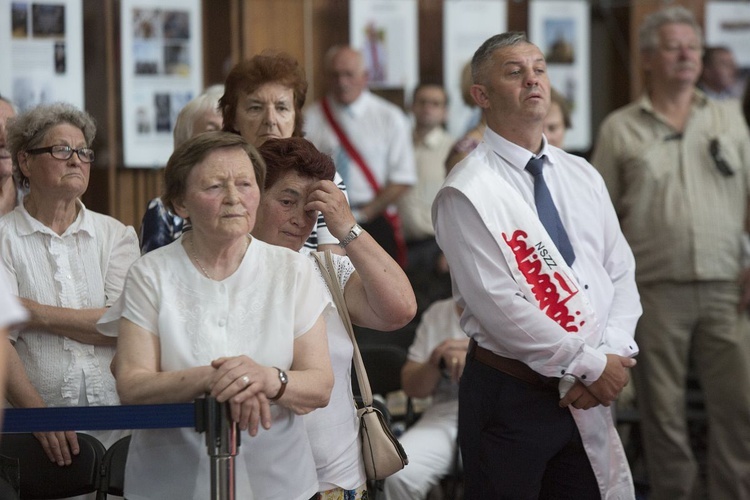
{"points": [[62, 152]]}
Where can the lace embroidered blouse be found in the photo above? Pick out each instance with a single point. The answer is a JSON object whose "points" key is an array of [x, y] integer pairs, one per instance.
{"points": [[83, 268]]}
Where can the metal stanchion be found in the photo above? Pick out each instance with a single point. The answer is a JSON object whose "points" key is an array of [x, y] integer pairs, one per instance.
{"points": [[222, 441]]}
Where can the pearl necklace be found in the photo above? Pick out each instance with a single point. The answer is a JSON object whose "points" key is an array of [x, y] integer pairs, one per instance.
{"points": [[195, 258]]}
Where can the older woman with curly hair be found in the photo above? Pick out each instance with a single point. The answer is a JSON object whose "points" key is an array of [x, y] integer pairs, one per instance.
{"points": [[263, 100], [67, 264], [377, 292]]}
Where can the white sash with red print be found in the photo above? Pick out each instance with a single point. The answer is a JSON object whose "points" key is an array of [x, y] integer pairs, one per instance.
{"points": [[546, 281]]}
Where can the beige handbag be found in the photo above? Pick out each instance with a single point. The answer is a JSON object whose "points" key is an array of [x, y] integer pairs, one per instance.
{"points": [[381, 451]]}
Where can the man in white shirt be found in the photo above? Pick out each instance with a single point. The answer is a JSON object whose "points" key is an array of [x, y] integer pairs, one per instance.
{"points": [[524, 431], [431, 146], [369, 141]]}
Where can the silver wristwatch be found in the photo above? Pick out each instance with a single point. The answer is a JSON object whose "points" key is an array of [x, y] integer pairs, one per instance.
{"points": [[355, 231]]}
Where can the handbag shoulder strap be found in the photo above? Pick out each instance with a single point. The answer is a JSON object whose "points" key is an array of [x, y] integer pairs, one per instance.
{"points": [[328, 271]]}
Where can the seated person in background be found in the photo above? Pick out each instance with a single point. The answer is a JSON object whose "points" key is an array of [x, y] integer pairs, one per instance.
{"points": [[434, 366], [557, 121], [8, 195], [221, 312], [377, 293], [159, 226], [67, 264]]}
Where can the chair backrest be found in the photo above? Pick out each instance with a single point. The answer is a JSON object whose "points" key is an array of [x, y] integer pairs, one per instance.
{"points": [[383, 363], [113, 469], [42, 479]]}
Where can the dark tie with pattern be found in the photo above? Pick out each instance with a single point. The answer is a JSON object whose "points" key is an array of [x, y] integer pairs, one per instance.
{"points": [[547, 211]]}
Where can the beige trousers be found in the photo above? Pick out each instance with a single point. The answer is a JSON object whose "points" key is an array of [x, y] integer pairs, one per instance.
{"points": [[698, 319]]}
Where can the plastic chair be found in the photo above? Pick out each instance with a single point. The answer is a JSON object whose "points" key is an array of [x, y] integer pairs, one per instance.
{"points": [[113, 469], [42, 479]]}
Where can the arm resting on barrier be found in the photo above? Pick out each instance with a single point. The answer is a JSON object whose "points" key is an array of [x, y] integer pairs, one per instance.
{"points": [[139, 376], [310, 378]]}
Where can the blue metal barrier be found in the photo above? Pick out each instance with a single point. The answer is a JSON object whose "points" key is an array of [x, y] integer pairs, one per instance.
{"points": [[204, 415]]}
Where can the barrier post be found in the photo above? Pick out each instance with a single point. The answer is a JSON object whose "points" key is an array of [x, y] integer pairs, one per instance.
{"points": [[222, 441]]}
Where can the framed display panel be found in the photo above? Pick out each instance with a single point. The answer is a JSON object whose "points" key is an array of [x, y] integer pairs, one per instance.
{"points": [[41, 46], [561, 29], [466, 25], [385, 31], [161, 71]]}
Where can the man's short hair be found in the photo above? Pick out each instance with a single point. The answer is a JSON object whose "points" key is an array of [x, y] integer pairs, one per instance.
{"points": [[648, 33], [483, 55]]}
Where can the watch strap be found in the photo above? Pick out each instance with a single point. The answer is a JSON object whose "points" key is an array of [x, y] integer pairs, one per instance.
{"points": [[354, 232], [284, 379]]}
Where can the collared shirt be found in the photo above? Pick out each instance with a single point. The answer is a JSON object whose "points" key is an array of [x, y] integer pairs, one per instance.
{"points": [[82, 268], [415, 207], [495, 315], [683, 218], [380, 132]]}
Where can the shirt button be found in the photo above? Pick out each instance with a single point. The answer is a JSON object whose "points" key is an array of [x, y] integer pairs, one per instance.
{"points": [[583, 377], [222, 323], [70, 277], [585, 287], [562, 371]]}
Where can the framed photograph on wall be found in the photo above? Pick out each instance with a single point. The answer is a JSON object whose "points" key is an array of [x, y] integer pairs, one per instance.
{"points": [[561, 29], [41, 49], [162, 70], [385, 31], [466, 25]]}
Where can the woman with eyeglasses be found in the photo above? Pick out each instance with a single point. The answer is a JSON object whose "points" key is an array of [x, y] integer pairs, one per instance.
{"points": [[66, 264]]}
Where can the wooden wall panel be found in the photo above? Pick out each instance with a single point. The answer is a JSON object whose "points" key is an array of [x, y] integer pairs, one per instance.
{"points": [[274, 25], [430, 41], [330, 26]]}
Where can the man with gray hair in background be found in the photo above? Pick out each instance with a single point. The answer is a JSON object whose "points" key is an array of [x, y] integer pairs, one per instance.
{"points": [[546, 281], [677, 166], [369, 140]]}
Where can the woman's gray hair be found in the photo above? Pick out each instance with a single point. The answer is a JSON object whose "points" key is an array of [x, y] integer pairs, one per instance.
{"points": [[483, 56], [29, 129], [183, 127], [648, 33]]}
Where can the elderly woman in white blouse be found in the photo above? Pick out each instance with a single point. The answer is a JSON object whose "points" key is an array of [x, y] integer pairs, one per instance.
{"points": [[218, 311], [67, 264]]}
